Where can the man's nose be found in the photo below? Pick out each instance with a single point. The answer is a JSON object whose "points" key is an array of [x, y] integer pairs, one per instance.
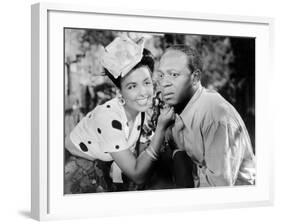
{"points": [[165, 82]]}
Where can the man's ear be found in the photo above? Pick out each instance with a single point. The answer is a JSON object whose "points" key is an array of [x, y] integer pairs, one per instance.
{"points": [[196, 76]]}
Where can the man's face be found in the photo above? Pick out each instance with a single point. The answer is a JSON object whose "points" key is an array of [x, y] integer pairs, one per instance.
{"points": [[175, 77]]}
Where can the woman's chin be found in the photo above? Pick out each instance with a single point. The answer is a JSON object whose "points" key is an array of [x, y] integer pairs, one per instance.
{"points": [[143, 108]]}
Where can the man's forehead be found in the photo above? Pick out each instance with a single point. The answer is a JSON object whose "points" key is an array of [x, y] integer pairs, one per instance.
{"points": [[173, 57]]}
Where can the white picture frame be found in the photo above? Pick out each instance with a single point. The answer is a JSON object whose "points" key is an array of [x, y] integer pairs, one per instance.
{"points": [[48, 201]]}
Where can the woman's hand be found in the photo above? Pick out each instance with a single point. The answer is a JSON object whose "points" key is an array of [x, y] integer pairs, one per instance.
{"points": [[166, 117]]}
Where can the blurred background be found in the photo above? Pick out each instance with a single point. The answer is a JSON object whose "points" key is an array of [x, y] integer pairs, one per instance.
{"points": [[228, 67]]}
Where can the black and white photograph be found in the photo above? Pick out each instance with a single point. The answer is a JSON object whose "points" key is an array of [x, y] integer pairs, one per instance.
{"points": [[157, 111], [139, 112]]}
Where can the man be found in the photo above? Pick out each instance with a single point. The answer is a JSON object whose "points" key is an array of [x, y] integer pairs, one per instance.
{"points": [[207, 127]]}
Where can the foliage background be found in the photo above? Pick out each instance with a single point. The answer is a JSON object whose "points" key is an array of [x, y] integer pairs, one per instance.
{"points": [[228, 67]]}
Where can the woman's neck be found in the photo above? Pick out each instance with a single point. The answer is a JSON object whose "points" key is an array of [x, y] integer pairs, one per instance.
{"points": [[130, 114]]}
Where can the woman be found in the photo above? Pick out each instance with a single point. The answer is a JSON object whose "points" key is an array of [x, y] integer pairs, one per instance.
{"points": [[110, 132]]}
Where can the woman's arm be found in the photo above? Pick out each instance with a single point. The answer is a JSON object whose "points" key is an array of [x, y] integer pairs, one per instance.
{"points": [[137, 168]]}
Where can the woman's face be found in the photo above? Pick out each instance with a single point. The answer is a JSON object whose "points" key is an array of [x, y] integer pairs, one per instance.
{"points": [[137, 90]]}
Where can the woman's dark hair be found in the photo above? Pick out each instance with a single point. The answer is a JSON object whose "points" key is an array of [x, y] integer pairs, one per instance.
{"points": [[146, 60]]}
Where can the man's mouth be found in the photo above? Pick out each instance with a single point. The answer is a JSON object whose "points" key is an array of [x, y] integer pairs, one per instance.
{"points": [[168, 95]]}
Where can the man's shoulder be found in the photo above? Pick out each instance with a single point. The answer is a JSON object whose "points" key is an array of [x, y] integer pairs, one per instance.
{"points": [[214, 104], [210, 99], [210, 95]]}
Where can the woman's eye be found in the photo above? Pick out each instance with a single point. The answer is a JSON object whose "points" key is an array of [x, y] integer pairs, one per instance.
{"points": [[131, 86]]}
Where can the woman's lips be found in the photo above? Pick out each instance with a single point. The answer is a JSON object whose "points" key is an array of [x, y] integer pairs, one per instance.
{"points": [[143, 101]]}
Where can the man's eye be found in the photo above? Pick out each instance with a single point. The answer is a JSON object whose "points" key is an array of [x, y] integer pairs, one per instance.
{"points": [[174, 74], [147, 83], [161, 75]]}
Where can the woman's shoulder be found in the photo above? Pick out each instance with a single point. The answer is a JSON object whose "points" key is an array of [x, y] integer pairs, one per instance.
{"points": [[109, 111], [113, 103], [109, 107]]}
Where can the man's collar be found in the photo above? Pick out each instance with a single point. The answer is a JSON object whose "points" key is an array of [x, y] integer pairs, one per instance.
{"points": [[195, 96]]}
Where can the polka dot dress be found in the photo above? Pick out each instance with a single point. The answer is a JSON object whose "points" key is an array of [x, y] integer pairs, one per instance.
{"points": [[105, 130]]}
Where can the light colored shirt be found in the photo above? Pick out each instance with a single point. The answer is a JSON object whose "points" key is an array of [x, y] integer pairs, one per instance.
{"points": [[103, 130], [213, 134]]}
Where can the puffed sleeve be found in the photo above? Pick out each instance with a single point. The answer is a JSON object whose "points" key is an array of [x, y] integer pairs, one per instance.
{"points": [[110, 129], [223, 152]]}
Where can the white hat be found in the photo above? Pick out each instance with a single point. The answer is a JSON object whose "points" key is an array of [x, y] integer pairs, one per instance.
{"points": [[121, 55]]}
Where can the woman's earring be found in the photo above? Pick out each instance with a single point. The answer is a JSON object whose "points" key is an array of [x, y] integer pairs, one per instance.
{"points": [[121, 100]]}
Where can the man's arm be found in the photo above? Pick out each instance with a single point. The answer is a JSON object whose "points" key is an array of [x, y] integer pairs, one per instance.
{"points": [[223, 153]]}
